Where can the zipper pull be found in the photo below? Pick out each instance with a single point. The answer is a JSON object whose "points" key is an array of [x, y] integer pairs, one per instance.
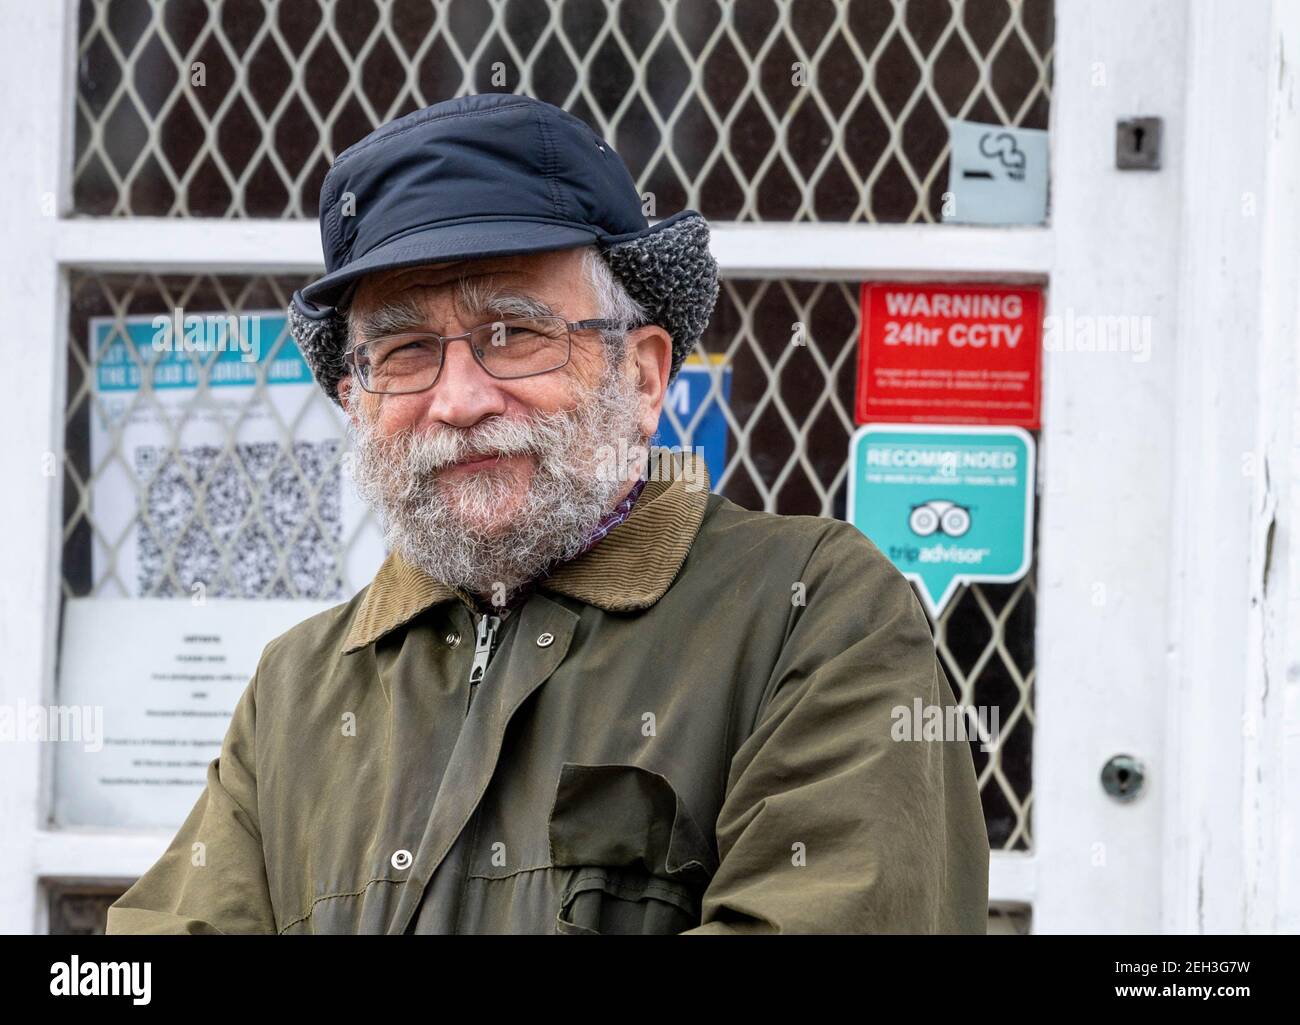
{"points": [[483, 642]]}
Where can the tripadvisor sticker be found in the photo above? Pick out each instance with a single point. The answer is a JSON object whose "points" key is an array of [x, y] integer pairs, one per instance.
{"points": [[947, 505]]}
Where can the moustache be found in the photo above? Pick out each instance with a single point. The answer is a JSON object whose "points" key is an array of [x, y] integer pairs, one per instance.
{"points": [[434, 449]]}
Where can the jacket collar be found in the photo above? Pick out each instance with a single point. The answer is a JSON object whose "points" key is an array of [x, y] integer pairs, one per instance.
{"points": [[629, 569]]}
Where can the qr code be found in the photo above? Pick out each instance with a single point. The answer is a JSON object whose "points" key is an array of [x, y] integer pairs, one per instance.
{"points": [[257, 520]]}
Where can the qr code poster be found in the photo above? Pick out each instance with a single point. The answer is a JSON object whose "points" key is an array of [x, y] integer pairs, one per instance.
{"points": [[219, 464]]}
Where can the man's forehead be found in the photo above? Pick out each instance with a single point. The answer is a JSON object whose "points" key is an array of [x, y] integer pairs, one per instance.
{"points": [[531, 269]]}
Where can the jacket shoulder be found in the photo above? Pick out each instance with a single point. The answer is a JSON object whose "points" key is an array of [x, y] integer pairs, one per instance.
{"points": [[797, 536], [821, 551], [317, 639]]}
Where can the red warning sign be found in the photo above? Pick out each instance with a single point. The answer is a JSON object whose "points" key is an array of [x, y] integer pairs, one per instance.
{"points": [[938, 353]]}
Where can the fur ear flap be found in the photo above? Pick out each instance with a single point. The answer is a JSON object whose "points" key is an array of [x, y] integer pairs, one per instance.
{"points": [[671, 273], [322, 341]]}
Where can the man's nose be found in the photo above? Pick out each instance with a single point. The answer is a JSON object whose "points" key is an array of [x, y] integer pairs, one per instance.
{"points": [[465, 393]]}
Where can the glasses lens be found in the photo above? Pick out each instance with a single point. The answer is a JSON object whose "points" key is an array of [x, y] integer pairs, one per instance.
{"points": [[521, 347], [398, 363]]}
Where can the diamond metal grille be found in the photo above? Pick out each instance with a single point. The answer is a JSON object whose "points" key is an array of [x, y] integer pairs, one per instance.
{"points": [[703, 99], [747, 110]]}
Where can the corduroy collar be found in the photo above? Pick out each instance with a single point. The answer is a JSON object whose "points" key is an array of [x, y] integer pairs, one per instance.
{"points": [[629, 569]]}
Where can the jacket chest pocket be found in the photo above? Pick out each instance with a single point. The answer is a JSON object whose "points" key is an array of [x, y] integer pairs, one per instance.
{"points": [[632, 858]]}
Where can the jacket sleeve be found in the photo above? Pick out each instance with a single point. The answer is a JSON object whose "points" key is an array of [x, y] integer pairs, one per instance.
{"points": [[212, 877], [828, 823]]}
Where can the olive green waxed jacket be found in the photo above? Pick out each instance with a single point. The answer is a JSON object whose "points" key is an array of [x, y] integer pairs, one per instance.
{"points": [[686, 729]]}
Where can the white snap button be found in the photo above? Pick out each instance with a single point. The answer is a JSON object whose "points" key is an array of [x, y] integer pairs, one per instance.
{"points": [[452, 639], [544, 640], [401, 860]]}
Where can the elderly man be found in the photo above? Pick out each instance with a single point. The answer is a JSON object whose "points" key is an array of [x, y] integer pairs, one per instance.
{"points": [[582, 694]]}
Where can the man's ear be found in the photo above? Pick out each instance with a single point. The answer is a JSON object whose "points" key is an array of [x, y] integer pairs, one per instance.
{"points": [[344, 390], [650, 353]]}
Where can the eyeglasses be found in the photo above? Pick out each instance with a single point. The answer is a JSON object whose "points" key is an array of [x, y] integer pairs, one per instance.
{"points": [[506, 349]]}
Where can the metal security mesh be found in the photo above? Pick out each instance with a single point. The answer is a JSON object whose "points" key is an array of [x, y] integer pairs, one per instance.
{"points": [[746, 110]]}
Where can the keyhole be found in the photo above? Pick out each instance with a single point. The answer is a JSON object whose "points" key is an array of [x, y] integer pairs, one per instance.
{"points": [[1122, 777], [1137, 144]]}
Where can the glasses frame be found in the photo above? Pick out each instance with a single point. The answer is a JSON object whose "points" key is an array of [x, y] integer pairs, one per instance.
{"points": [[603, 324]]}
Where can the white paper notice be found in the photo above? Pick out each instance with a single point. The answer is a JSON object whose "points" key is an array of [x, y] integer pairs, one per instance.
{"points": [[164, 675]]}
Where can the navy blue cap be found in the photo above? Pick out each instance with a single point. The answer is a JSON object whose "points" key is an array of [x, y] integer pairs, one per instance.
{"points": [[491, 175], [484, 175]]}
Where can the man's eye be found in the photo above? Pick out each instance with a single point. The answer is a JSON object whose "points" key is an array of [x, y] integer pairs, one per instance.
{"points": [[400, 349], [536, 329]]}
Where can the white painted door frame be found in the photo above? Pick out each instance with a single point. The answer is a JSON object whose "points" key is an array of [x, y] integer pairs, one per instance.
{"points": [[1231, 859], [1106, 470], [1166, 512]]}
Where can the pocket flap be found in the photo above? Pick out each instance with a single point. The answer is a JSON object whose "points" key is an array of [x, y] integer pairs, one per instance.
{"points": [[624, 815]]}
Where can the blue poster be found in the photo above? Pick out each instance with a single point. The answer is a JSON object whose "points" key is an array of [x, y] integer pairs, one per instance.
{"points": [[221, 349], [947, 505], [699, 412]]}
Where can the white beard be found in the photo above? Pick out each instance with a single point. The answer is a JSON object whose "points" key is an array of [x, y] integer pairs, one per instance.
{"points": [[452, 526]]}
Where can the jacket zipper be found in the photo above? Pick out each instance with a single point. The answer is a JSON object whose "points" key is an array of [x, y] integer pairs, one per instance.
{"points": [[484, 642], [485, 638]]}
